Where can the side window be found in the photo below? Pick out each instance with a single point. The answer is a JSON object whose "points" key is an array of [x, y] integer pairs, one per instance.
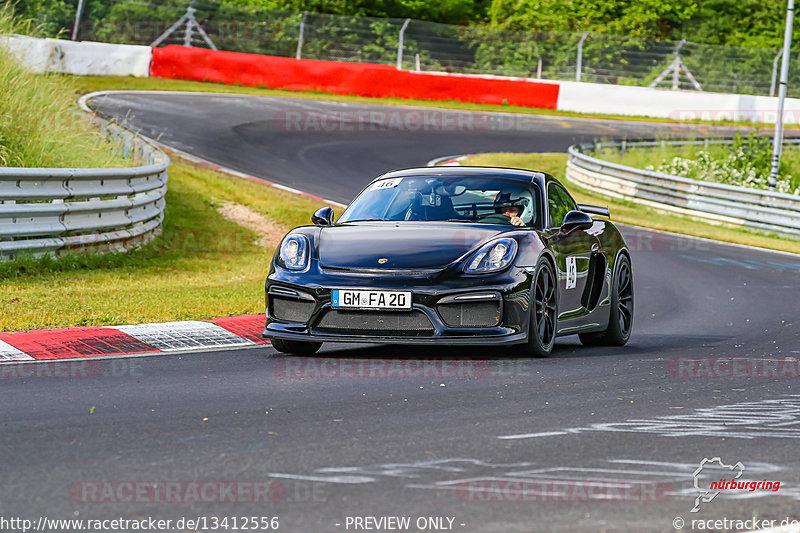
{"points": [[560, 203]]}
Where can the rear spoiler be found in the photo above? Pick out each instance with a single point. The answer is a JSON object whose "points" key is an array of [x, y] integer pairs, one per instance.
{"points": [[594, 210]]}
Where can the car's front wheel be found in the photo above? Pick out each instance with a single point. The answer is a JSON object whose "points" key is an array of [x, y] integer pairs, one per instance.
{"points": [[544, 311], [296, 347], [620, 320]]}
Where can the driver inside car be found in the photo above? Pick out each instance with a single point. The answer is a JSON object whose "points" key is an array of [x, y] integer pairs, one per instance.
{"points": [[507, 211]]}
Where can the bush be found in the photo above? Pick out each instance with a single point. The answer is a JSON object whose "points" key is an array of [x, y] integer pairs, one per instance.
{"points": [[746, 163]]}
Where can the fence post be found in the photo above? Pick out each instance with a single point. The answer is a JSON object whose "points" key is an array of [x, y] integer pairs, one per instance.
{"points": [[300, 39], [187, 36], [777, 141], [675, 68], [775, 72], [400, 45], [579, 65], [77, 25], [676, 72], [189, 19]]}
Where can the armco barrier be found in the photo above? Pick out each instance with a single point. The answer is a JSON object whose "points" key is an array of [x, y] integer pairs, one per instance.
{"points": [[716, 202], [340, 77], [53, 210]]}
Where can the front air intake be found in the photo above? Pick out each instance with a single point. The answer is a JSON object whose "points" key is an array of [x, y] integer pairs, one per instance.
{"points": [[473, 311], [291, 306], [393, 323]]}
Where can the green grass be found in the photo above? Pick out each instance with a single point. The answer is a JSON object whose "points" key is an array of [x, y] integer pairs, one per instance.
{"points": [[631, 213], [38, 125], [203, 266], [86, 84]]}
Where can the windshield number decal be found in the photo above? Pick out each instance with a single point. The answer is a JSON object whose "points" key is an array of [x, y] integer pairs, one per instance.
{"points": [[386, 184]]}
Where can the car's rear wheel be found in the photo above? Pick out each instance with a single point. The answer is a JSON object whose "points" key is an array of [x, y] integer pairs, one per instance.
{"points": [[296, 347], [544, 311], [620, 319]]}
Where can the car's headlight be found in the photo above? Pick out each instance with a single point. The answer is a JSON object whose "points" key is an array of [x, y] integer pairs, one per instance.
{"points": [[493, 256], [294, 252]]}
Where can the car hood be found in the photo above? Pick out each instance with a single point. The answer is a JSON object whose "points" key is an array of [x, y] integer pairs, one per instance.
{"points": [[403, 245]]}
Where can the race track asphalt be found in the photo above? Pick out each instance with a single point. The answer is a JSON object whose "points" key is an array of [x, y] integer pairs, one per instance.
{"points": [[590, 439]]}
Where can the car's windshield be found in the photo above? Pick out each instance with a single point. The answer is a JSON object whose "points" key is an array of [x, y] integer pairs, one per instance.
{"points": [[488, 199]]}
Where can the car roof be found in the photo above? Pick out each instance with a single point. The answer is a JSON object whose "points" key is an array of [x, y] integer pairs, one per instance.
{"points": [[526, 176]]}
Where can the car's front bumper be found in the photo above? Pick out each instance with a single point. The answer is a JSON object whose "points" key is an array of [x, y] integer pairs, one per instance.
{"points": [[495, 340], [429, 293]]}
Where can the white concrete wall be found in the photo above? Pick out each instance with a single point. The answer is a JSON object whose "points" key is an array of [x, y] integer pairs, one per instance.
{"points": [[679, 105], [84, 58], [33, 53]]}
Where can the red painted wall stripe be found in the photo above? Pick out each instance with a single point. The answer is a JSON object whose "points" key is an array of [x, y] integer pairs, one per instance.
{"points": [[339, 77]]}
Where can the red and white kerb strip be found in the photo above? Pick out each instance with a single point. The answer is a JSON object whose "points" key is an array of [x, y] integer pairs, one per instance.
{"points": [[71, 343], [456, 162]]}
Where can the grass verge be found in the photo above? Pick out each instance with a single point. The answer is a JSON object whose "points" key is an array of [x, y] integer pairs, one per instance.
{"points": [[38, 127], [87, 84], [203, 266], [631, 213]]}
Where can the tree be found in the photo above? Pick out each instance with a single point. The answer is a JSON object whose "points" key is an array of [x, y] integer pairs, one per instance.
{"points": [[746, 23], [642, 19]]}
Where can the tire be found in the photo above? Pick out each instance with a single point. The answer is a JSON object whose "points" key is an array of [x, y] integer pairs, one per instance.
{"points": [[296, 347], [544, 311], [620, 318]]}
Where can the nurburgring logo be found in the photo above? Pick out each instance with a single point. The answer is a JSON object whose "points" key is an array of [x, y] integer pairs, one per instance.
{"points": [[706, 495]]}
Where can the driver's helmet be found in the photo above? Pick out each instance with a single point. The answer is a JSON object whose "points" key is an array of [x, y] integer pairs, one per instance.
{"points": [[508, 199]]}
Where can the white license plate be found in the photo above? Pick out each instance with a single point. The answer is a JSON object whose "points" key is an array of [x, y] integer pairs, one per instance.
{"points": [[365, 299]]}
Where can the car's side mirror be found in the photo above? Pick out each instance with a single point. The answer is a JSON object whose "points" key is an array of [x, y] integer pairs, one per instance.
{"points": [[323, 217], [576, 220]]}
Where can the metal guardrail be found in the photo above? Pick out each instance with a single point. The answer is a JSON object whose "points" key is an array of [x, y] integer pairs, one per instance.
{"points": [[56, 210], [714, 202]]}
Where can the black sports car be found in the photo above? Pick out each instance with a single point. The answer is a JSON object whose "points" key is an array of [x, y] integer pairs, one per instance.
{"points": [[453, 255]]}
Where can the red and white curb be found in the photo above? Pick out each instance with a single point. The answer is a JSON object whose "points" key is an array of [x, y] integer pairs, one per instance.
{"points": [[448, 161], [139, 339]]}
